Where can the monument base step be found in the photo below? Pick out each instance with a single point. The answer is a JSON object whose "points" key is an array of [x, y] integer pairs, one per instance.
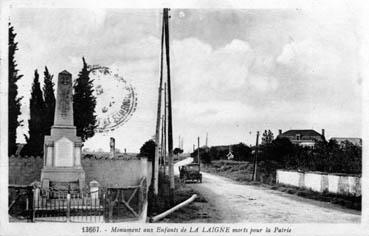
{"points": [[63, 179]]}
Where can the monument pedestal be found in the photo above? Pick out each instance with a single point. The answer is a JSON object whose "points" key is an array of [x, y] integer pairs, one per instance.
{"points": [[63, 175], [62, 149]]}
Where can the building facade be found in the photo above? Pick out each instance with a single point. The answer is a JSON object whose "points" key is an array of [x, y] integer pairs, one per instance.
{"points": [[303, 137]]}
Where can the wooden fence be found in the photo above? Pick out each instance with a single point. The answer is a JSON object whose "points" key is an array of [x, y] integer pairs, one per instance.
{"points": [[20, 201]]}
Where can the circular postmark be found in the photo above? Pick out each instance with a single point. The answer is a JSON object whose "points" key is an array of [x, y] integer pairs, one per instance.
{"points": [[116, 99]]}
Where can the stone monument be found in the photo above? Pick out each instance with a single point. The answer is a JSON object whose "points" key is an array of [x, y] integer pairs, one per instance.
{"points": [[62, 149]]}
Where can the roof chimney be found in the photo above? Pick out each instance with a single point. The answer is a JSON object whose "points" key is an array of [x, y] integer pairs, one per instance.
{"points": [[279, 132], [323, 132]]}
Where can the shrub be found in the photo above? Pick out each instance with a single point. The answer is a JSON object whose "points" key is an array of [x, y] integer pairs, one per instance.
{"points": [[324, 156]]}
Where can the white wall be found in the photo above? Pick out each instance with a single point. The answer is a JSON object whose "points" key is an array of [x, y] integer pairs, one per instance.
{"points": [[290, 177], [313, 181], [319, 182]]}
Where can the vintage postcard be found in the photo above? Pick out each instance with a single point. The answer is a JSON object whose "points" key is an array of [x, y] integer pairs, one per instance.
{"points": [[146, 118]]}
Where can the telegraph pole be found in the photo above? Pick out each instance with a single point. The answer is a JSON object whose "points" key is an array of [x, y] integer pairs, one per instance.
{"points": [[256, 156], [170, 126], [165, 127], [206, 142], [162, 142], [157, 130], [198, 151]]}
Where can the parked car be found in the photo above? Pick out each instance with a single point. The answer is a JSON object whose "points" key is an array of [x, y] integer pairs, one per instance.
{"points": [[190, 172]]}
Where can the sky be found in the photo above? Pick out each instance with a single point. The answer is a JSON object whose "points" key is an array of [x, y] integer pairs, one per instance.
{"points": [[234, 72]]}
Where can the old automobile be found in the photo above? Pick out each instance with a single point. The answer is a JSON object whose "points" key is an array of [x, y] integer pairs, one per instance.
{"points": [[190, 172]]}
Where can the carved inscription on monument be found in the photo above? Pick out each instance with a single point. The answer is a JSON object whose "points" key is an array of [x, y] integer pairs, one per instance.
{"points": [[65, 95], [64, 153], [64, 106]]}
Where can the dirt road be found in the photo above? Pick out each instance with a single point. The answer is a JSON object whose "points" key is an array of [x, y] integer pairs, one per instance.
{"points": [[245, 203]]}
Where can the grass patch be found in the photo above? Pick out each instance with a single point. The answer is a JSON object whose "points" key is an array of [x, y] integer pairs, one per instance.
{"points": [[197, 211]]}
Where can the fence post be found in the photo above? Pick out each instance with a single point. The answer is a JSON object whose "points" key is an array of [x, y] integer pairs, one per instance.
{"points": [[68, 207], [141, 196], [110, 211], [30, 203], [110, 205], [140, 199], [33, 206]]}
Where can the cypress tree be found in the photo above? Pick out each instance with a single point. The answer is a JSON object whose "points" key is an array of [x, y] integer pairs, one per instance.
{"points": [[84, 103], [49, 97], [13, 99], [36, 123]]}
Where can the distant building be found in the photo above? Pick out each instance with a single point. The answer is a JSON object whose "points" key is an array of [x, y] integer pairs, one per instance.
{"points": [[303, 137], [342, 140]]}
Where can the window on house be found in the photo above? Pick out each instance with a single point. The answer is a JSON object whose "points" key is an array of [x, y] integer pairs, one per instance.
{"points": [[298, 137]]}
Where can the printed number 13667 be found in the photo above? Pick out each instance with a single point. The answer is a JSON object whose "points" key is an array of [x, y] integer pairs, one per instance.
{"points": [[90, 229]]}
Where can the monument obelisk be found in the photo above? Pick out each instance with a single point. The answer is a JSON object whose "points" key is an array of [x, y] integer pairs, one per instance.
{"points": [[62, 149]]}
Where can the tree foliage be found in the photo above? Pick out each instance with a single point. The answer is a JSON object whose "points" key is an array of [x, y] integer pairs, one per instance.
{"points": [[36, 123], [324, 156], [148, 150], [240, 151], [84, 103], [218, 153], [13, 99], [49, 97], [177, 151], [267, 137]]}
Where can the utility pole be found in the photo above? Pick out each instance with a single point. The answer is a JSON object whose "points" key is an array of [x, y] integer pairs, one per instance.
{"points": [[165, 127], [206, 142], [170, 127], [157, 130], [179, 141], [198, 151], [256, 157], [162, 142]]}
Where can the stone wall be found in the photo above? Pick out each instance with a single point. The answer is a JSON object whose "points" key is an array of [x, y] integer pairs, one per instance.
{"points": [[108, 172], [24, 170], [116, 172], [341, 184]]}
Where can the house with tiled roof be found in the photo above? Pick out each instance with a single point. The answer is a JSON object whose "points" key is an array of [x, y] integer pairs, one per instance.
{"points": [[303, 137]]}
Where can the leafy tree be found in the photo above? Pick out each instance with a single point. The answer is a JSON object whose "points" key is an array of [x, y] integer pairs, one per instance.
{"points": [[353, 160], [148, 150], [280, 152], [35, 139], [267, 137], [13, 99], [324, 156], [177, 151], [217, 153], [49, 97], [204, 155], [241, 152], [84, 103]]}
